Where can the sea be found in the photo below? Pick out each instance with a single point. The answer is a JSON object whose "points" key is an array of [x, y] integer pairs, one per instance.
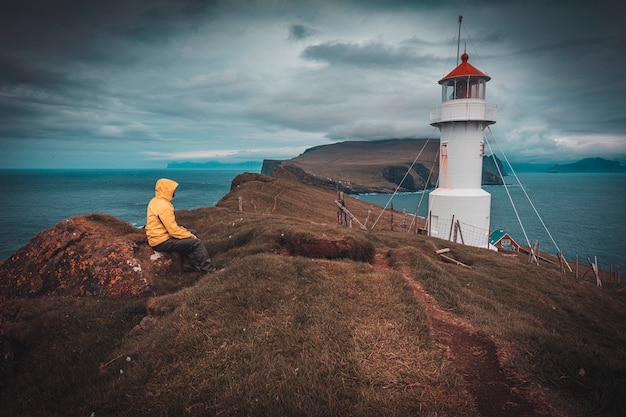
{"points": [[34, 200], [578, 213]]}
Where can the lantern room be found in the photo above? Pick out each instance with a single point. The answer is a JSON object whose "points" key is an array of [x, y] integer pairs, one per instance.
{"points": [[464, 82]]}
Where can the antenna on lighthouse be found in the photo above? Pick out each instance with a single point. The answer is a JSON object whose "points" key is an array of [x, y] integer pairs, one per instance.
{"points": [[458, 42]]}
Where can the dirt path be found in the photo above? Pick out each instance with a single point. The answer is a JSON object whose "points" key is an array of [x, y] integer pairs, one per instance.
{"points": [[475, 356]]}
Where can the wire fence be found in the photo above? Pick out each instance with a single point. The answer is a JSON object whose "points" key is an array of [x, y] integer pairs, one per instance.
{"points": [[457, 231]]}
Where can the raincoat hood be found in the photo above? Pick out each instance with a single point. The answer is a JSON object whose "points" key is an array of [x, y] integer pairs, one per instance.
{"points": [[165, 188]]}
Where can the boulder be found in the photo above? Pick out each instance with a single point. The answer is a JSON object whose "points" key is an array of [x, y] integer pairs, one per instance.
{"points": [[89, 255]]}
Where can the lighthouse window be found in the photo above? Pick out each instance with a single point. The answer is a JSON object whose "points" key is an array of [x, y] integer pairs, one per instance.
{"points": [[453, 89], [460, 89], [463, 88], [447, 90], [477, 88]]}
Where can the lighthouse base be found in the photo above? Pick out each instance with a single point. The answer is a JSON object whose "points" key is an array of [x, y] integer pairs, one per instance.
{"points": [[460, 215]]}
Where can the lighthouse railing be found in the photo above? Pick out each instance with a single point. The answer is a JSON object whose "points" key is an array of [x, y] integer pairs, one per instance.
{"points": [[464, 110]]}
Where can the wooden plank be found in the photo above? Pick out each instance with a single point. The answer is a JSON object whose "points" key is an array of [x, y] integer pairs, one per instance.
{"points": [[454, 261], [444, 250], [352, 216], [594, 267]]}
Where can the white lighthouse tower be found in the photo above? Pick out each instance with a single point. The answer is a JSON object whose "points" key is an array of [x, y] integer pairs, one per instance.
{"points": [[459, 209]]}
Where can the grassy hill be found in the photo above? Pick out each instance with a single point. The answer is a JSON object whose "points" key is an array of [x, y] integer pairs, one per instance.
{"points": [[377, 166], [349, 161], [310, 318]]}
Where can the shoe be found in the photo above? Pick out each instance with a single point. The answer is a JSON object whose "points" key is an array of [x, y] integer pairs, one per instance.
{"points": [[189, 268], [212, 270]]}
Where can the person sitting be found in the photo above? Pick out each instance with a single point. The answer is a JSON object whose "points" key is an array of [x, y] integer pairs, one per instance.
{"points": [[165, 235]]}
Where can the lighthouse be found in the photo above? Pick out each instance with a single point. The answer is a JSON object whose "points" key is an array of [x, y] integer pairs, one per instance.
{"points": [[459, 209]]}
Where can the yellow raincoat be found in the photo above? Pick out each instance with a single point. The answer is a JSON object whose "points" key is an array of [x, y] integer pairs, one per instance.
{"points": [[161, 222]]}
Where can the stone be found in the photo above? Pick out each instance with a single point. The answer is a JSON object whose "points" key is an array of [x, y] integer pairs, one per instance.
{"points": [[89, 255]]}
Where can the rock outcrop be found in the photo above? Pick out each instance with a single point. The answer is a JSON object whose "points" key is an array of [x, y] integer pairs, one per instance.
{"points": [[89, 255]]}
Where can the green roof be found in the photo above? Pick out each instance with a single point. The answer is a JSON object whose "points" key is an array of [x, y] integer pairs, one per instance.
{"points": [[497, 235]]}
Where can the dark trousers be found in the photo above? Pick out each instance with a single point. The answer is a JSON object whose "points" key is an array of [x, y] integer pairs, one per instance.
{"points": [[192, 251]]}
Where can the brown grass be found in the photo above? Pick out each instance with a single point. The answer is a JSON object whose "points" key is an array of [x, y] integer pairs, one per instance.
{"points": [[278, 334], [564, 334]]}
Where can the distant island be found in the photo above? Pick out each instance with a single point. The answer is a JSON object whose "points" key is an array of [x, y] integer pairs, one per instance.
{"points": [[248, 165], [590, 165]]}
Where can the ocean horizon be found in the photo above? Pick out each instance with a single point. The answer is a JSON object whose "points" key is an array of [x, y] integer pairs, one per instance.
{"points": [[583, 213]]}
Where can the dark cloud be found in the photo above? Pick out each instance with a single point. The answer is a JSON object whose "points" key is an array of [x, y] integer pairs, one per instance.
{"points": [[299, 32], [69, 29], [178, 76], [367, 55], [14, 71]]}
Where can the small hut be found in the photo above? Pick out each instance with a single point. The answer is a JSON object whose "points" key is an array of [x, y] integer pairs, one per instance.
{"points": [[503, 241]]}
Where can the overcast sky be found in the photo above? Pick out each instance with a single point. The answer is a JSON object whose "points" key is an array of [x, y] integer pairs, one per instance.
{"points": [[139, 84]]}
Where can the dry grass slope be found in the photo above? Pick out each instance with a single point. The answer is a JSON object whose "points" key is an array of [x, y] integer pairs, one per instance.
{"points": [[282, 334]]}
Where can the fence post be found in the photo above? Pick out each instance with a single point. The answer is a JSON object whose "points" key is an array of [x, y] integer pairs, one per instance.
{"points": [[458, 226], [341, 214], [451, 226], [430, 221], [594, 267]]}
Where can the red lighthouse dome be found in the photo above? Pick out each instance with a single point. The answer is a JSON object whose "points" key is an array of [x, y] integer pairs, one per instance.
{"points": [[465, 81], [465, 69]]}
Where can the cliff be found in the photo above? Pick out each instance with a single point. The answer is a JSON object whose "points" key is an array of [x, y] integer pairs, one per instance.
{"points": [[375, 166]]}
